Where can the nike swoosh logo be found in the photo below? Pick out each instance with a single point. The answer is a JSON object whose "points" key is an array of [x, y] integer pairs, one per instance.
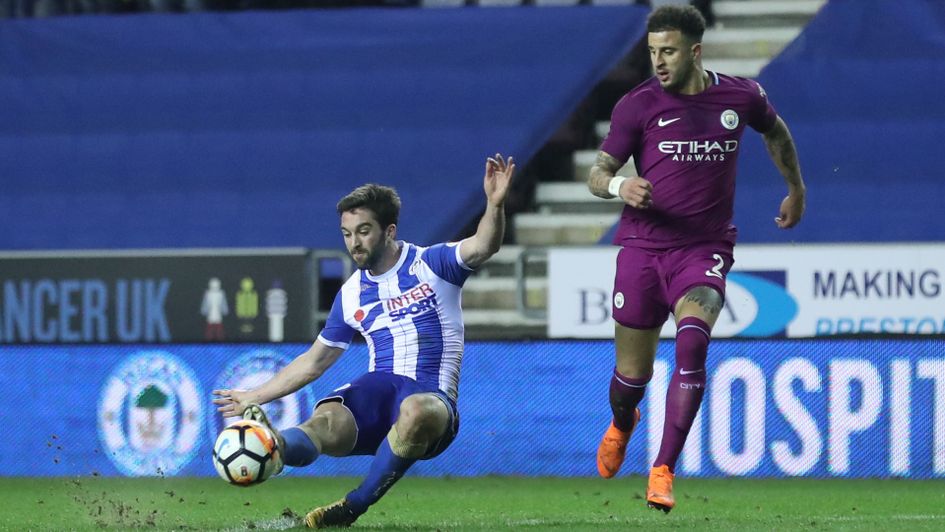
{"points": [[662, 122], [689, 372]]}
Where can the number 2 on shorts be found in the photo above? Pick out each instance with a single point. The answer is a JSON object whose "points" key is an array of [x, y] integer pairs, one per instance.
{"points": [[716, 271]]}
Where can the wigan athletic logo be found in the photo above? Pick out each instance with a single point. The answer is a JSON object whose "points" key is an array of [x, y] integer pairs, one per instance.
{"points": [[150, 414], [249, 371]]}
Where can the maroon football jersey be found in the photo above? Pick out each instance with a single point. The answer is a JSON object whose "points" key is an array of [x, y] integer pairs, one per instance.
{"points": [[687, 146]]}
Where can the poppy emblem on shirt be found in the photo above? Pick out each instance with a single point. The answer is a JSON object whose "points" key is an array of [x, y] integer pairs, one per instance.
{"points": [[359, 315], [729, 119]]}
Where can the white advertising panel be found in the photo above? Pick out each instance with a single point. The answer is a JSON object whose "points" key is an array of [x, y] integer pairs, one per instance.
{"points": [[794, 291]]}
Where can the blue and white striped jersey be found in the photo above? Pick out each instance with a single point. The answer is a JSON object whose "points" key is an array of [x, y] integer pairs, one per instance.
{"points": [[410, 316]]}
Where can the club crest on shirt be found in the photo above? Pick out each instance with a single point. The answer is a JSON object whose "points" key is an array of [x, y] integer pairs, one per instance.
{"points": [[729, 119]]}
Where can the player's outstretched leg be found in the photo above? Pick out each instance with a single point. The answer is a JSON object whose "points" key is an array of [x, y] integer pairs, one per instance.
{"points": [[625, 394], [422, 421], [298, 448], [337, 514], [659, 490], [255, 412]]}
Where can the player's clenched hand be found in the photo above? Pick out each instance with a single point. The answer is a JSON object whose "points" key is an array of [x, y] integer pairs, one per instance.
{"points": [[231, 403], [637, 192], [792, 208], [497, 179]]}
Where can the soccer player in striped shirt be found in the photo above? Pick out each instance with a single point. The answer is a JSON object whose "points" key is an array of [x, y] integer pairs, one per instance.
{"points": [[404, 300]]}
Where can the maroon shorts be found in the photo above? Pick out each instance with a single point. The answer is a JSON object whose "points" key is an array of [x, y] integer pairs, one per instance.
{"points": [[649, 282]]}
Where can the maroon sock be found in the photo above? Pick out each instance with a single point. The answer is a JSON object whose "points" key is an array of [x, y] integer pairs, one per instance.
{"points": [[686, 388], [625, 394]]}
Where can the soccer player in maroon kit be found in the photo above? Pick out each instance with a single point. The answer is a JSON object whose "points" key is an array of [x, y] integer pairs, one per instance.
{"points": [[682, 128]]}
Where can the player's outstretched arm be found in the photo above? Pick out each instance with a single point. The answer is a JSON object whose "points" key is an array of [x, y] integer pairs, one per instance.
{"points": [[781, 148], [604, 183], [477, 249], [307, 367]]}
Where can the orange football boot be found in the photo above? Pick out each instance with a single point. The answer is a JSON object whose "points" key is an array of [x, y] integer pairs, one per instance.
{"points": [[659, 491], [613, 448]]}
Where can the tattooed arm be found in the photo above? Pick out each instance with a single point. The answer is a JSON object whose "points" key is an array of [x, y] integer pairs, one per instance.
{"points": [[634, 191], [781, 148], [605, 168]]}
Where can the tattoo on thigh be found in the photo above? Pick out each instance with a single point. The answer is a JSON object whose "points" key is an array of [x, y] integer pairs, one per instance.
{"points": [[707, 298]]}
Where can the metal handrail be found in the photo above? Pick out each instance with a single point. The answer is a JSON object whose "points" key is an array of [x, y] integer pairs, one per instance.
{"points": [[521, 293], [318, 315]]}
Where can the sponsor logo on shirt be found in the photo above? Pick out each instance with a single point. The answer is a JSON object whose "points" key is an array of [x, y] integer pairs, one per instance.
{"points": [[698, 151], [417, 300], [662, 123]]}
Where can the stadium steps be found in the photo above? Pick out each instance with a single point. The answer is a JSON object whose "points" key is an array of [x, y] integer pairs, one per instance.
{"points": [[491, 306], [493, 324], [583, 160], [539, 229], [764, 13], [746, 35], [748, 43], [572, 198], [503, 264], [500, 293], [744, 67]]}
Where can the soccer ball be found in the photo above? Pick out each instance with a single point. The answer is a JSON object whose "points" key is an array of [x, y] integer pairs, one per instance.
{"points": [[246, 453]]}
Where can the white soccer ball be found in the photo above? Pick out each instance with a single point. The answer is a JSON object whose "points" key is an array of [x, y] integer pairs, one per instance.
{"points": [[246, 453]]}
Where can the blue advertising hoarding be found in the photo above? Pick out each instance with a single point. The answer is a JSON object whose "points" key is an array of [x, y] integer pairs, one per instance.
{"points": [[824, 408]]}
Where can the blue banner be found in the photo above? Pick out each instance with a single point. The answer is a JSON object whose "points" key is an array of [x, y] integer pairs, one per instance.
{"points": [[821, 408]]}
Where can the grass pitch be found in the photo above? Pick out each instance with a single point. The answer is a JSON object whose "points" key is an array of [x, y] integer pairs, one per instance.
{"points": [[488, 503]]}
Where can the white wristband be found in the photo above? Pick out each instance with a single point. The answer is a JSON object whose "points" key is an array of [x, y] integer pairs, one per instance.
{"points": [[613, 188]]}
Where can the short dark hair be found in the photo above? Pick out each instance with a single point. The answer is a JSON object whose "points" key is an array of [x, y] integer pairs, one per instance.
{"points": [[382, 201], [686, 19]]}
